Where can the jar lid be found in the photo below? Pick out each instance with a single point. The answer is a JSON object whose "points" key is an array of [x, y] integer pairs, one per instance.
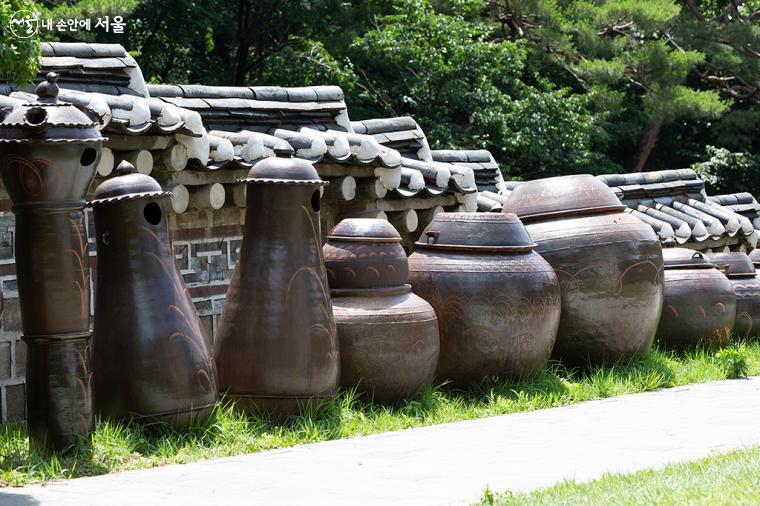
{"points": [[364, 230], [579, 194], [47, 120], [127, 184], [497, 232], [685, 258], [275, 170], [739, 264]]}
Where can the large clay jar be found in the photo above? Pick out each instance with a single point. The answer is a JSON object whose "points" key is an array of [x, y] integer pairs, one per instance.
{"points": [[743, 277], [608, 262], [497, 301], [755, 257], [151, 358], [276, 348], [699, 305], [388, 336], [48, 154]]}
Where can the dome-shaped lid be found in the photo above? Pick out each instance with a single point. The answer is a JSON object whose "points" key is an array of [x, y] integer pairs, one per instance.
{"points": [[364, 230], [684, 258], [739, 264], [48, 120], [564, 195], [754, 256], [127, 184], [476, 231], [364, 254], [284, 171]]}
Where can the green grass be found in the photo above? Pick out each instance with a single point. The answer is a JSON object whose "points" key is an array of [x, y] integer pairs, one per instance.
{"points": [[724, 479], [118, 447]]}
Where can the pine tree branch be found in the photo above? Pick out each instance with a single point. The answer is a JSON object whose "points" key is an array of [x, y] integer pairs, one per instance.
{"points": [[695, 11]]}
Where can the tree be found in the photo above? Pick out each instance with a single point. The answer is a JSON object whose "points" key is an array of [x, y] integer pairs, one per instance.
{"points": [[18, 55], [444, 69], [623, 53]]}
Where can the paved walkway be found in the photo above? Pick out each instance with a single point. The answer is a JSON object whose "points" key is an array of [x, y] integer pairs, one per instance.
{"points": [[445, 464]]}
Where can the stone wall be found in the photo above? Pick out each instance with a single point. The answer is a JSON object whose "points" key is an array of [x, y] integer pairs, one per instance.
{"points": [[206, 245]]}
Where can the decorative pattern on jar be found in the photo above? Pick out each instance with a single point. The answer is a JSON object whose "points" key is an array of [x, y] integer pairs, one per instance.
{"points": [[743, 277], [276, 348], [388, 336], [699, 305], [609, 264], [48, 154], [151, 357], [497, 300]]}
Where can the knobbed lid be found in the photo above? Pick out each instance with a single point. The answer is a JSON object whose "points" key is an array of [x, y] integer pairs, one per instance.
{"points": [[684, 258], [559, 196], [284, 171], [364, 230], [739, 264], [47, 120], [127, 184], [363, 253], [476, 232]]}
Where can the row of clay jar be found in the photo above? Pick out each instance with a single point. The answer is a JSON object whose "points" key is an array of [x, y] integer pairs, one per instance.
{"points": [[566, 273]]}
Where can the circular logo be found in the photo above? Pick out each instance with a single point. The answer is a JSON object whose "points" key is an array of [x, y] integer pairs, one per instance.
{"points": [[24, 24]]}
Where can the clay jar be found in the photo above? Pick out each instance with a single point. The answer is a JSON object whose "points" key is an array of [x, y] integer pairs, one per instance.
{"points": [[608, 262], [388, 336], [151, 358], [497, 301], [699, 305], [276, 348], [743, 277]]}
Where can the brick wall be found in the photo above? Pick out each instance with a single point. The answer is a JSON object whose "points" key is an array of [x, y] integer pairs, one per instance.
{"points": [[206, 246]]}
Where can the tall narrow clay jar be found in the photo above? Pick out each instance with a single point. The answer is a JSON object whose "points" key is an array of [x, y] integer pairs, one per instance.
{"points": [[276, 348], [151, 358], [48, 154]]}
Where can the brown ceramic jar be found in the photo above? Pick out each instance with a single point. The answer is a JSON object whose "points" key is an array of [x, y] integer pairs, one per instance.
{"points": [[276, 349], [699, 305], [151, 358], [743, 277], [608, 262], [388, 336], [497, 301]]}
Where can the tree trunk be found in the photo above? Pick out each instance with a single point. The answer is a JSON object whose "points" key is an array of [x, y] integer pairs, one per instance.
{"points": [[648, 138]]}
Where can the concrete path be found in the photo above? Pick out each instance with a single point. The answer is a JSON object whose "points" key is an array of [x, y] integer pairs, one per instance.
{"points": [[445, 464]]}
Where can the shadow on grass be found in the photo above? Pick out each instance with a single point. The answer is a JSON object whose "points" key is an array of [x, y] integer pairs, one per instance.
{"points": [[120, 446]]}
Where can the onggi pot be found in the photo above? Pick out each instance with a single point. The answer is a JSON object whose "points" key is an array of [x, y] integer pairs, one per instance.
{"points": [[699, 304], [388, 336], [608, 262], [741, 273], [497, 301]]}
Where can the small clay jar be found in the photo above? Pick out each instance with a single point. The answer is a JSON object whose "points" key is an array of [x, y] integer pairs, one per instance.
{"points": [[388, 336], [743, 277], [699, 304]]}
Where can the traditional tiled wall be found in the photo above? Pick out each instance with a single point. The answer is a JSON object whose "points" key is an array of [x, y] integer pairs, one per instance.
{"points": [[206, 245]]}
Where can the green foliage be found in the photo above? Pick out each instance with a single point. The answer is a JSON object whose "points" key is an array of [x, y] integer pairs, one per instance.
{"points": [[727, 172], [733, 359], [18, 56], [723, 479], [118, 447]]}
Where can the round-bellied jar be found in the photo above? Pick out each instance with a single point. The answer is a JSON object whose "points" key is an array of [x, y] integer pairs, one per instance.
{"points": [[754, 256], [276, 348], [609, 264], [49, 151], [151, 358], [699, 305], [497, 301], [743, 277], [388, 336]]}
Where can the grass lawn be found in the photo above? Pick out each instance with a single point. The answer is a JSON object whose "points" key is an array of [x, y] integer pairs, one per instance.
{"points": [[724, 479], [117, 447]]}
